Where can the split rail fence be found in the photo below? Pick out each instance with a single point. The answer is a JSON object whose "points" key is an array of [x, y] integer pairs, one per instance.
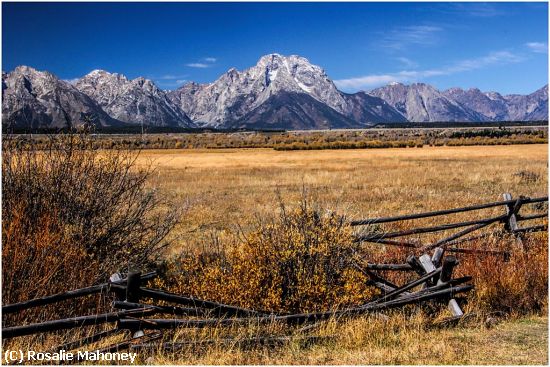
{"points": [[135, 306]]}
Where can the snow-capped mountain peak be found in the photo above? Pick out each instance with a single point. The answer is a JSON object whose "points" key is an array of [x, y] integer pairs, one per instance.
{"points": [[235, 93]]}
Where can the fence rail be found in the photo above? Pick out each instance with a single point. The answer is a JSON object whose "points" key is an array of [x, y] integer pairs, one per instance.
{"points": [[509, 219]]}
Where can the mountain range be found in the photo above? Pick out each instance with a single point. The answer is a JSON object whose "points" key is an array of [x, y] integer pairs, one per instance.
{"points": [[279, 92]]}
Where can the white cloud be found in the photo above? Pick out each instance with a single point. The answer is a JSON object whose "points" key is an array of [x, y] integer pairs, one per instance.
{"points": [[204, 63], [408, 63], [181, 81], [478, 10], [374, 80], [199, 65], [538, 47], [417, 35], [170, 77]]}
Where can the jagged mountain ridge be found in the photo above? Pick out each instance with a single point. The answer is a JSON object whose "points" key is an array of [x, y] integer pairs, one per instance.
{"points": [[278, 92], [495, 107], [133, 101], [421, 102], [236, 94], [38, 99]]}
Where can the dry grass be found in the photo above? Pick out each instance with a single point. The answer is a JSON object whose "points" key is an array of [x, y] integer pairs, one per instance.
{"points": [[225, 187], [400, 341]]}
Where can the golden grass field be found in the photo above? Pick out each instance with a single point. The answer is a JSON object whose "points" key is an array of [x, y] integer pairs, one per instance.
{"points": [[221, 189]]}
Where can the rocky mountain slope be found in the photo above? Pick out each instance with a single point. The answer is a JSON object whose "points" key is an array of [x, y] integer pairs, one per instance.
{"points": [[273, 79], [533, 106], [496, 107], [36, 99], [137, 101], [421, 102]]}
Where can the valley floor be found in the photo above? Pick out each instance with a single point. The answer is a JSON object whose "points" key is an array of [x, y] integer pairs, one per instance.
{"points": [[223, 188]]}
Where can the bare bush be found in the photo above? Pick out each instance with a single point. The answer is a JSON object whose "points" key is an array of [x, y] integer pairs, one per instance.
{"points": [[72, 214]]}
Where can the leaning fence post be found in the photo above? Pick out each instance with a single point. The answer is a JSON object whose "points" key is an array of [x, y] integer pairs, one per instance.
{"points": [[512, 222], [437, 255], [133, 286], [133, 292], [449, 263], [426, 262]]}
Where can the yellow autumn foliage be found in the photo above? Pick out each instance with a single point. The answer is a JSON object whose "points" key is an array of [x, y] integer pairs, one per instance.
{"points": [[301, 262]]}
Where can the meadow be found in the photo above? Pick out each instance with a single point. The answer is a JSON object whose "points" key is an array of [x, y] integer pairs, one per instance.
{"points": [[224, 188], [224, 195]]}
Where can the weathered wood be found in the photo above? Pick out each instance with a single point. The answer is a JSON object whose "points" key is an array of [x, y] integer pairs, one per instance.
{"points": [[468, 239], [455, 308], [382, 241], [396, 267], [378, 281], [15, 307], [133, 286], [174, 310], [437, 256], [478, 251], [443, 227], [520, 218], [511, 210], [415, 264], [442, 212], [120, 294], [134, 324], [219, 308], [426, 262], [449, 263], [406, 287], [71, 323], [539, 228], [446, 273], [443, 242]]}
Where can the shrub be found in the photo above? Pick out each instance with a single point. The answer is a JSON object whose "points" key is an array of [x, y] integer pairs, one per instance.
{"points": [[519, 285], [71, 215], [301, 262]]}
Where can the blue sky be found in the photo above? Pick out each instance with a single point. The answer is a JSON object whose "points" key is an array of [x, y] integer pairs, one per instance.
{"points": [[492, 46]]}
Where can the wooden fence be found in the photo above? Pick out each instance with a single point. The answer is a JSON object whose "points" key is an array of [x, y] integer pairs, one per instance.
{"points": [[135, 305]]}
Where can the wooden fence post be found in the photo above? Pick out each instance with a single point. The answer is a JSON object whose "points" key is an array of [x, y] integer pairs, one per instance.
{"points": [[133, 286], [426, 262], [438, 254], [446, 273], [512, 223]]}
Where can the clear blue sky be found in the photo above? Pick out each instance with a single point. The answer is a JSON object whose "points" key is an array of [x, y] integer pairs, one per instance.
{"points": [[493, 46]]}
